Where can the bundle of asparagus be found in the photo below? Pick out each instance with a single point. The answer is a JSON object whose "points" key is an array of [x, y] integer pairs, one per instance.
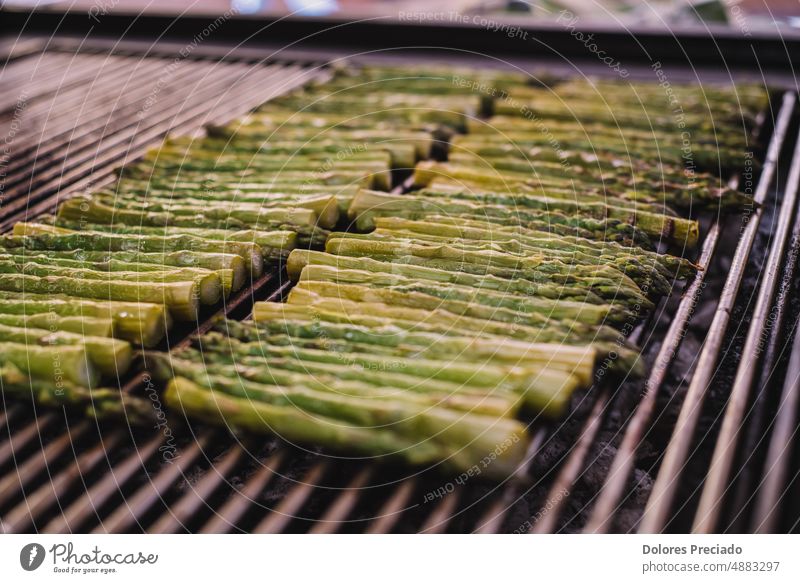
{"points": [[706, 126], [367, 391], [592, 217], [595, 178], [179, 271]]}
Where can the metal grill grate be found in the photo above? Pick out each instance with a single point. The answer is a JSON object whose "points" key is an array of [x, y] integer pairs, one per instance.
{"points": [[87, 112]]}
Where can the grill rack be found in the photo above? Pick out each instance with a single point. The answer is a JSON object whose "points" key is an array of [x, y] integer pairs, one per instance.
{"points": [[109, 479]]}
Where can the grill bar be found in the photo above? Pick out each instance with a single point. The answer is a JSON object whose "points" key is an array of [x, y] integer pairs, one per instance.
{"points": [[774, 485], [438, 520], [344, 504], [492, 521], [178, 114], [195, 498], [22, 438], [390, 512], [71, 518], [279, 518], [136, 505], [58, 76], [24, 515], [612, 491], [757, 438], [254, 93], [717, 479], [83, 116], [234, 509], [86, 159], [656, 516], [35, 465], [569, 474]]}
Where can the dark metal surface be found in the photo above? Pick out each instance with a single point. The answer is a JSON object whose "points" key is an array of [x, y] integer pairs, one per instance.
{"points": [[707, 45]]}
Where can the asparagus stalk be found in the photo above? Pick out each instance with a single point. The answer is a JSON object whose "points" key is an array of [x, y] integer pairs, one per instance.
{"points": [[483, 434], [560, 308], [211, 281], [272, 243], [277, 135], [577, 360], [376, 313], [553, 224], [297, 177], [181, 292], [137, 322], [670, 228], [531, 183], [135, 261], [42, 238], [605, 281], [481, 231], [326, 206], [542, 388], [473, 305], [208, 216], [420, 209], [167, 161], [265, 378], [111, 357], [654, 275], [369, 204], [51, 363], [181, 298], [651, 151], [291, 371], [320, 144], [248, 192], [86, 325], [300, 258], [100, 403], [319, 313]]}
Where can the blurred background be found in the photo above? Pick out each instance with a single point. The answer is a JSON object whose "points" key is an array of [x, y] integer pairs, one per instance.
{"points": [[748, 16]]}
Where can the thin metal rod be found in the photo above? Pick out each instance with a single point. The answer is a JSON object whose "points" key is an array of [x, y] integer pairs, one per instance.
{"points": [[81, 509], [656, 514], [492, 520], [16, 480], [610, 494], [759, 422], [341, 509], [766, 516], [196, 495], [717, 479], [569, 472], [134, 507], [26, 513], [278, 519], [439, 519], [394, 508], [240, 502]]}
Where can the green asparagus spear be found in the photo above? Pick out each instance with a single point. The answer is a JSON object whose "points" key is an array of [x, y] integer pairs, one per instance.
{"points": [[42, 238], [483, 434], [137, 322], [52, 322], [111, 357], [51, 363]]}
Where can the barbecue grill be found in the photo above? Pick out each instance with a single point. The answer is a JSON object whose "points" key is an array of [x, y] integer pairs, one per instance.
{"points": [[708, 443]]}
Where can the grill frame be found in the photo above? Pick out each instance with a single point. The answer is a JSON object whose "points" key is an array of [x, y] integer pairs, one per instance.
{"points": [[494, 506]]}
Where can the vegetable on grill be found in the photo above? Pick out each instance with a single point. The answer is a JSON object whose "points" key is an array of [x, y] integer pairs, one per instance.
{"points": [[530, 247]]}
